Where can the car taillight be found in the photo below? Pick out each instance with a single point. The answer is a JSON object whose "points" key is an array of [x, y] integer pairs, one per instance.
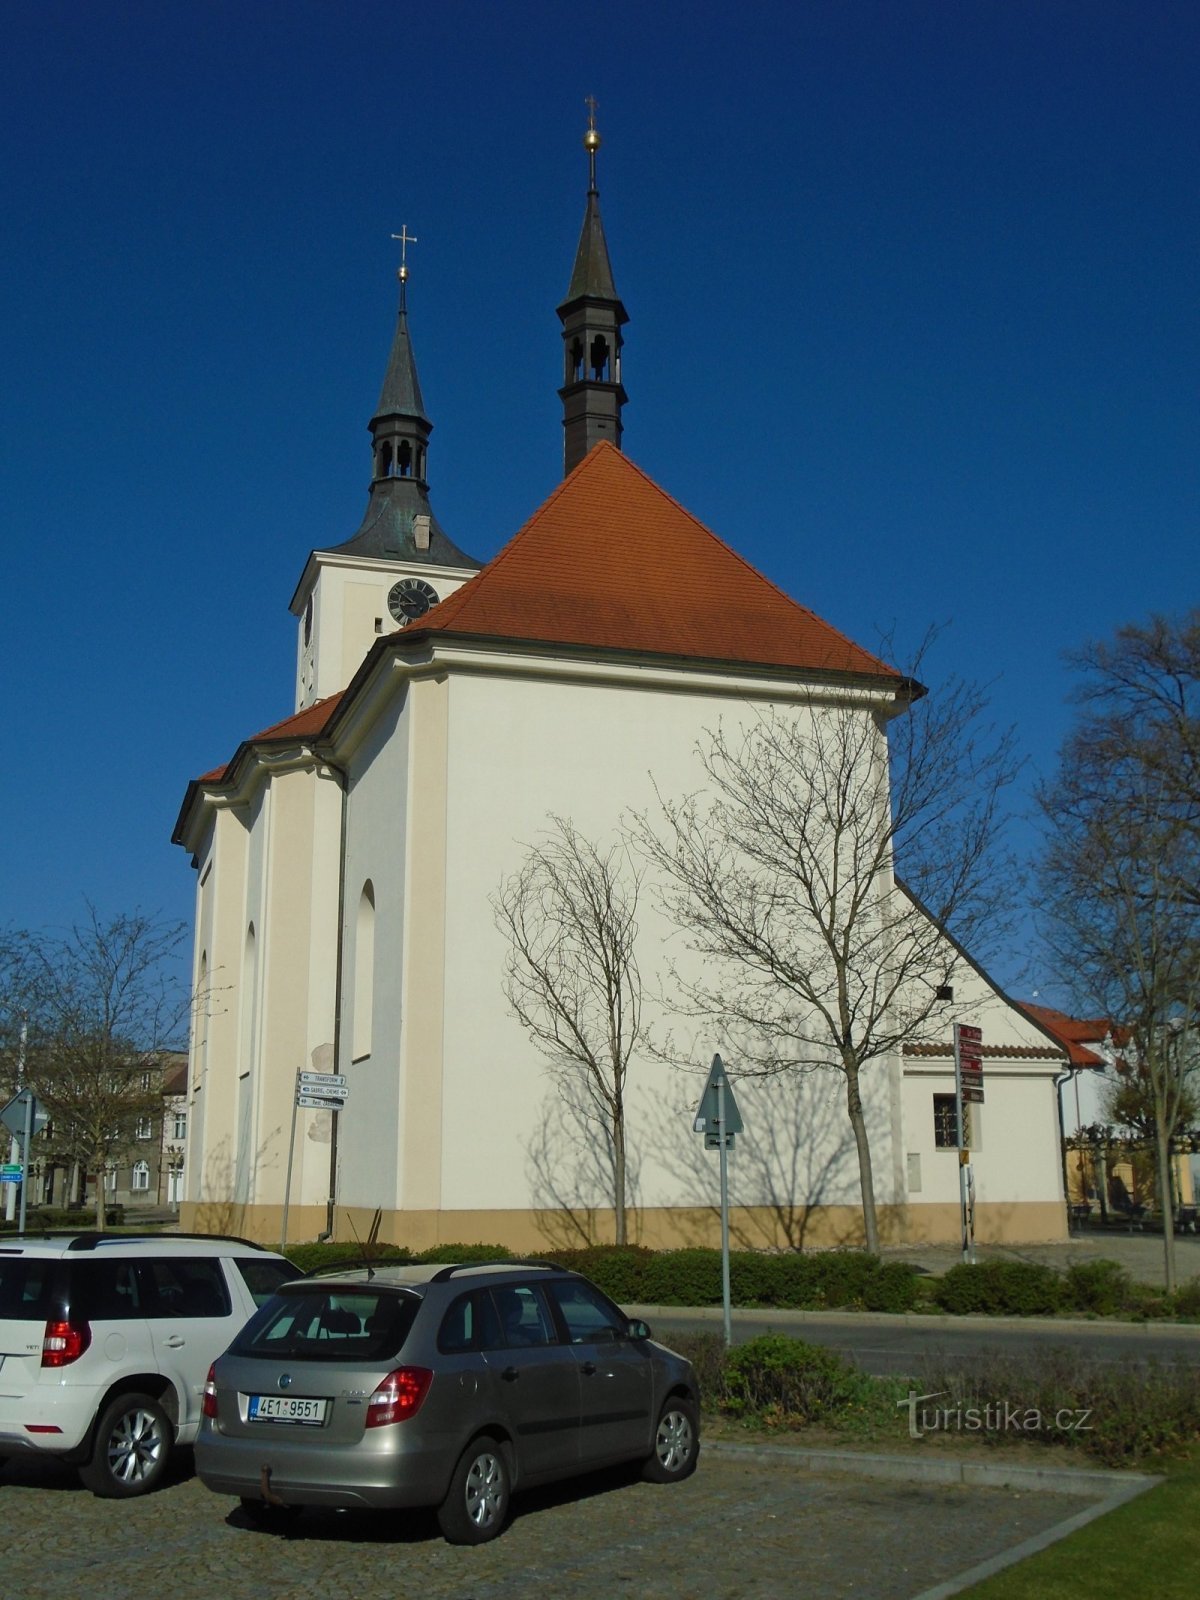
{"points": [[398, 1396], [64, 1342], [208, 1403]]}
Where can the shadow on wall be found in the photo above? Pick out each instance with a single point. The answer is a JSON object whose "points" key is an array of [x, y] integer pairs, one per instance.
{"points": [[571, 1170], [793, 1167], [222, 1213]]}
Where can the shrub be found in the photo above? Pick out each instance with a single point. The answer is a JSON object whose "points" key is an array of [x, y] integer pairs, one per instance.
{"points": [[619, 1270], [894, 1286], [1187, 1300], [1000, 1288], [843, 1275], [1101, 1287], [780, 1380], [465, 1252], [683, 1278], [308, 1257]]}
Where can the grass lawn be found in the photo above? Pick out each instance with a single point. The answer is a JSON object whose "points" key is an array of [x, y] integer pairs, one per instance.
{"points": [[1149, 1547]]}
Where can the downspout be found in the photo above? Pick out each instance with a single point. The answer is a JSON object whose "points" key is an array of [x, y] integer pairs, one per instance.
{"points": [[343, 783], [1060, 1082]]}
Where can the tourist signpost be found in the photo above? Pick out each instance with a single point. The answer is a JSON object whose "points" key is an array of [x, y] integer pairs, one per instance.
{"points": [[315, 1091], [968, 1092]]}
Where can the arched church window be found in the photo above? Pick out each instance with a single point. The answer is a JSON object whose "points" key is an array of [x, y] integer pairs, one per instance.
{"points": [[308, 621], [364, 973], [598, 359], [404, 459]]}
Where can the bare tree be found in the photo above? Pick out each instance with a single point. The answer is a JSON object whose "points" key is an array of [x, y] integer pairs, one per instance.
{"points": [[103, 1008], [781, 874], [572, 978], [1121, 870]]}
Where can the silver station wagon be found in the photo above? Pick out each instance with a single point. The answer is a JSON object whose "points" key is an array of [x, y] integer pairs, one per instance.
{"points": [[452, 1387]]}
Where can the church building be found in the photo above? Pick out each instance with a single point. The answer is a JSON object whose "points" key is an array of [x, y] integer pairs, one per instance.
{"points": [[347, 859]]}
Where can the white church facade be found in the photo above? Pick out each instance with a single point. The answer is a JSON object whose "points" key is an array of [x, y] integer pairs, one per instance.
{"points": [[347, 858]]}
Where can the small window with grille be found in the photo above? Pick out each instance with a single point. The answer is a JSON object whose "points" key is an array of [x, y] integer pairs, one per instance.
{"points": [[945, 1122]]}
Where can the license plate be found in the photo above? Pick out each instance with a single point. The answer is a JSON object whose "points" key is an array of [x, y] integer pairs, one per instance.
{"points": [[285, 1408]]}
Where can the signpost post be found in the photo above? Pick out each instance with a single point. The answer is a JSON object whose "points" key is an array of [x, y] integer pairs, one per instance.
{"points": [[719, 1120], [315, 1091], [23, 1117], [968, 1091]]}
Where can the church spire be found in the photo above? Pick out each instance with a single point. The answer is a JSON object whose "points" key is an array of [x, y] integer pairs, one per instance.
{"points": [[592, 317], [400, 429], [398, 523]]}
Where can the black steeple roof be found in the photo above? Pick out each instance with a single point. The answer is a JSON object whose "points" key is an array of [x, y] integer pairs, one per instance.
{"points": [[592, 317], [393, 524]]}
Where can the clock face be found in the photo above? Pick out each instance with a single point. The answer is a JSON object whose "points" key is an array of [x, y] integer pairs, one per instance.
{"points": [[411, 598]]}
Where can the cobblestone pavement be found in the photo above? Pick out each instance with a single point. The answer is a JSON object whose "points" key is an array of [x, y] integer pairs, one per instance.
{"points": [[743, 1526]]}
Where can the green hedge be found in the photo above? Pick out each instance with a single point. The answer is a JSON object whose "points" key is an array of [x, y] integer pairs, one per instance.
{"points": [[818, 1280], [1001, 1288]]}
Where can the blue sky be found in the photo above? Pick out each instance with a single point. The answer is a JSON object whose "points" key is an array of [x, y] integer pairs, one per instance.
{"points": [[914, 326]]}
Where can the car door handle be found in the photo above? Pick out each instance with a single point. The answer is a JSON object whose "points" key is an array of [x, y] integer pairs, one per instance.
{"points": [[510, 1374], [175, 1342], [588, 1369]]}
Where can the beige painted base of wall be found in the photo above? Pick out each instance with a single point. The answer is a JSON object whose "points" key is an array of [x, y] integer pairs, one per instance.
{"points": [[822, 1228]]}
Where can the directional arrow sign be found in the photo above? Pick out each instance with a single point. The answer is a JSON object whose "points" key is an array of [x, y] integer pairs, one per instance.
{"points": [[14, 1114], [706, 1112], [336, 1080], [318, 1104]]}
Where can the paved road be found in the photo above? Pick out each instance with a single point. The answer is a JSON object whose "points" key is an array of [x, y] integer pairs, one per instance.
{"points": [[897, 1346], [745, 1527]]}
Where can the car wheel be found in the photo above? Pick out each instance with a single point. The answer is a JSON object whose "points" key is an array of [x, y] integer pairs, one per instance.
{"points": [[676, 1443], [477, 1502], [132, 1448]]}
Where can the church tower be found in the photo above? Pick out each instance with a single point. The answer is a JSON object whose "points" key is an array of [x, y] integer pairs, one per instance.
{"points": [[592, 317], [399, 562]]}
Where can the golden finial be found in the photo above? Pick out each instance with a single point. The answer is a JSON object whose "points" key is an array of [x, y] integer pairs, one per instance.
{"points": [[591, 143], [591, 139]]}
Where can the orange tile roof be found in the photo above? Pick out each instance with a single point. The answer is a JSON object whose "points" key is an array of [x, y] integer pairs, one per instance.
{"points": [[300, 725], [1075, 1033], [612, 562]]}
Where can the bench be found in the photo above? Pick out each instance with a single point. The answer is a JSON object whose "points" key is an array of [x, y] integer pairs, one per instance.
{"points": [[1185, 1219], [1078, 1212]]}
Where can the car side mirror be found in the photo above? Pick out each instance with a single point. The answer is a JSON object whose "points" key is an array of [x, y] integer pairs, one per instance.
{"points": [[638, 1329]]}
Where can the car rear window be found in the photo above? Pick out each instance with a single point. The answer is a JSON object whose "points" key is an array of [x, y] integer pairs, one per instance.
{"points": [[262, 1278], [29, 1288], [330, 1324]]}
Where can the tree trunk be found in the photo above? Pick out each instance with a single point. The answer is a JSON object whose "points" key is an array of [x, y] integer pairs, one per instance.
{"points": [[1166, 1205], [866, 1179], [100, 1198], [619, 1174]]}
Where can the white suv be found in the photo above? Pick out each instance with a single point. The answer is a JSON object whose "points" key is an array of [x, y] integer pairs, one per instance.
{"points": [[106, 1340]]}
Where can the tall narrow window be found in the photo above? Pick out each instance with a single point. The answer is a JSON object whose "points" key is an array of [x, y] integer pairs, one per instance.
{"points": [[364, 973]]}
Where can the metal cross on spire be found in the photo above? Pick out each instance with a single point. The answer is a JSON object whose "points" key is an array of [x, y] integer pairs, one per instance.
{"points": [[404, 239]]}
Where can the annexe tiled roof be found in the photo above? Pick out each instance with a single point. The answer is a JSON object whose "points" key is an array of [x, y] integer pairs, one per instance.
{"points": [[1076, 1033], [610, 561]]}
